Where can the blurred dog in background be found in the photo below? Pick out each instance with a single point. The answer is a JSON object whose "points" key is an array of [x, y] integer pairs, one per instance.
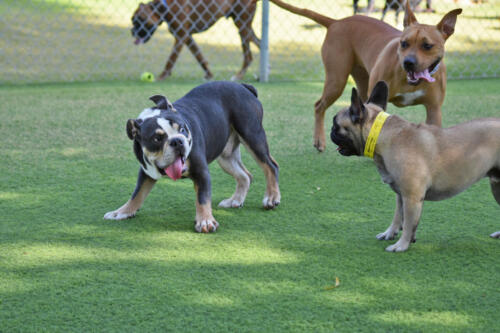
{"points": [[186, 17]]}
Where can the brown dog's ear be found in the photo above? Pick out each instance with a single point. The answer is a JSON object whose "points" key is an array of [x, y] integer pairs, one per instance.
{"points": [[409, 16], [379, 95], [357, 110], [162, 102], [447, 24], [133, 128]]}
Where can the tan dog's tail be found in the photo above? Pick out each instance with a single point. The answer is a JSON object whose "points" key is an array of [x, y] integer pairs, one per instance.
{"points": [[317, 17]]}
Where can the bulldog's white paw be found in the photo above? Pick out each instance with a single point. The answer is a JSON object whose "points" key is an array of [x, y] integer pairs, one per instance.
{"points": [[389, 234], [271, 201], [206, 226], [495, 234], [399, 246], [230, 203], [118, 215]]}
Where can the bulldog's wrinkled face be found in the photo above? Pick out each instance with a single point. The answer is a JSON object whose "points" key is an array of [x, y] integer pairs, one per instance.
{"points": [[162, 142], [351, 125], [421, 46], [145, 21]]}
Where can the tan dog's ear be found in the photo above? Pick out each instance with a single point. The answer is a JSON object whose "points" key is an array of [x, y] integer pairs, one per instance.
{"points": [[357, 110], [447, 24], [379, 95], [133, 128], [409, 16]]}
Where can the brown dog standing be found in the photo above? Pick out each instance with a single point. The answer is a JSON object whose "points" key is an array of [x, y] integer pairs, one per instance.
{"points": [[371, 50], [186, 17]]}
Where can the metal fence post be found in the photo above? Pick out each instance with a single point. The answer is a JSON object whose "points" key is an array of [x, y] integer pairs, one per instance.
{"points": [[264, 43]]}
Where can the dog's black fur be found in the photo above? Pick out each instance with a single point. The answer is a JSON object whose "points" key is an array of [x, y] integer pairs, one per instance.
{"points": [[211, 119]]}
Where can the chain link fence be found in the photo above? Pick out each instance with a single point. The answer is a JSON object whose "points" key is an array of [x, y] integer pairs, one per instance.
{"points": [[91, 40]]}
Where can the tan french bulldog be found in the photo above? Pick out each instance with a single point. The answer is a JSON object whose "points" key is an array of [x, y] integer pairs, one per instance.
{"points": [[419, 162]]}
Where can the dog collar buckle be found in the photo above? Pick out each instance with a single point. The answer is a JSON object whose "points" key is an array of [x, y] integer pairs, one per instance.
{"points": [[371, 141]]}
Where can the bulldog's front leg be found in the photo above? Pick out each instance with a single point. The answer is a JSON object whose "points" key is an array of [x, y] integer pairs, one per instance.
{"points": [[128, 210], [204, 222], [397, 222], [412, 209]]}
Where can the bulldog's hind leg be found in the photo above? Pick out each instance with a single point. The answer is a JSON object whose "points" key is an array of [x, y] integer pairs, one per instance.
{"points": [[142, 189], [495, 189], [230, 161], [256, 144]]}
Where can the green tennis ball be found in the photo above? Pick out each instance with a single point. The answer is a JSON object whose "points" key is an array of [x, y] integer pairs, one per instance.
{"points": [[147, 77]]}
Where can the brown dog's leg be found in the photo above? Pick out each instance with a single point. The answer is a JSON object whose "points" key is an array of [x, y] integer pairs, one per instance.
{"points": [[172, 59], [331, 92], [243, 22], [434, 116], [195, 50], [337, 65]]}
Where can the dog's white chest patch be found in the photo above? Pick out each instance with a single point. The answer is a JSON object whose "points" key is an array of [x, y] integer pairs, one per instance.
{"points": [[409, 98]]}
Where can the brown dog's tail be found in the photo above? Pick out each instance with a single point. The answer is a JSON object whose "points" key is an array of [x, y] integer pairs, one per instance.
{"points": [[317, 17]]}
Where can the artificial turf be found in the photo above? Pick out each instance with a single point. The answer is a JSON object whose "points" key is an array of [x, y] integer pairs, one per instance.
{"points": [[66, 160]]}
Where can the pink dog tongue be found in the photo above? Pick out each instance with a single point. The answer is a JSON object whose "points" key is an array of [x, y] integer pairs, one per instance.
{"points": [[174, 170], [425, 75]]}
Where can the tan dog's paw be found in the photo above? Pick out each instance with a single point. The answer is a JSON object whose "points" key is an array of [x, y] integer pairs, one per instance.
{"points": [[389, 234], [231, 203], [319, 145], [206, 226], [118, 215], [495, 235], [271, 201], [399, 246]]}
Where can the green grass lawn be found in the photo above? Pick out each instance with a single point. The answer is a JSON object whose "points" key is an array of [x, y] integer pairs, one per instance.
{"points": [[66, 160]]}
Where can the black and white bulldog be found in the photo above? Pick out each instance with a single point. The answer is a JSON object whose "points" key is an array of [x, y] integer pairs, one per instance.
{"points": [[179, 140]]}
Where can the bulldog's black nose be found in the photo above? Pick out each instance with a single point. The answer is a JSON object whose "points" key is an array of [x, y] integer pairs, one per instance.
{"points": [[176, 143], [410, 63]]}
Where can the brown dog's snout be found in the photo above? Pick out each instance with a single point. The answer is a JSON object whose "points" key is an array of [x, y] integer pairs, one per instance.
{"points": [[410, 63]]}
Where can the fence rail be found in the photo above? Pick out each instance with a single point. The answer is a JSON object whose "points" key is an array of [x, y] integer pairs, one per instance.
{"points": [[90, 40]]}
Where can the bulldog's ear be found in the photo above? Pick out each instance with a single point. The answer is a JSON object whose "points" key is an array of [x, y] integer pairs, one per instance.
{"points": [[409, 16], [379, 95], [357, 110], [133, 128], [447, 24], [162, 102]]}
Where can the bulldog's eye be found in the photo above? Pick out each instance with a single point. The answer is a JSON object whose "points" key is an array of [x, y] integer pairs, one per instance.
{"points": [[158, 138], [182, 131], [427, 46], [404, 44]]}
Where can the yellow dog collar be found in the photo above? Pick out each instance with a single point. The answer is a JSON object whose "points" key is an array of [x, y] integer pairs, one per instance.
{"points": [[371, 141]]}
